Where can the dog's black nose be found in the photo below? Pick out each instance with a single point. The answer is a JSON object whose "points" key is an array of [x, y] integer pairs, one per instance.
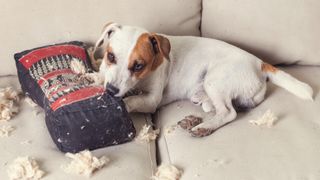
{"points": [[112, 89]]}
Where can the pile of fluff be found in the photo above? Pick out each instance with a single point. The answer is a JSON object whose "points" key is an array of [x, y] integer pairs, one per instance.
{"points": [[9, 99]]}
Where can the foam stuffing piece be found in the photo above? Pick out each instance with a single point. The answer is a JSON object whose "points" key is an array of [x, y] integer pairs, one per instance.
{"points": [[6, 130], [84, 163], [167, 172], [25, 168], [147, 134], [9, 99], [267, 119]]}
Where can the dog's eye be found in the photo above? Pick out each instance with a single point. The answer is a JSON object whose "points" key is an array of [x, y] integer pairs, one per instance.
{"points": [[137, 67], [111, 57]]}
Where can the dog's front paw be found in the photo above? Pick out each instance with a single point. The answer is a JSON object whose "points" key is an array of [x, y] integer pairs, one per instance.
{"points": [[201, 132], [127, 102], [189, 122]]}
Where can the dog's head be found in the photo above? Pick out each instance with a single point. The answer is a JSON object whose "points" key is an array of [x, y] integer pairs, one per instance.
{"points": [[130, 55]]}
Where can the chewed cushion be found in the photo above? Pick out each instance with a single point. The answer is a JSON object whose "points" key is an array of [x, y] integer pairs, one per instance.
{"points": [[79, 115]]}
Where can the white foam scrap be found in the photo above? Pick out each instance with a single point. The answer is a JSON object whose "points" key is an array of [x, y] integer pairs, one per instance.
{"points": [[147, 134], [95, 78], [167, 172], [30, 102], [169, 129], [84, 163], [26, 142], [25, 168], [6, 130], [8, 103], [267, 119], [77, 66], [9, 93]]}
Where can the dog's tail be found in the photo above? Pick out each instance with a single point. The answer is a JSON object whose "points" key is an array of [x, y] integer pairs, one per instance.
{"points": [[287, 82]]}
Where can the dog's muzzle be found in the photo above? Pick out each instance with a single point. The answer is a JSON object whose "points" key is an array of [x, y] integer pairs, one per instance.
{"points": [[112, 89]]}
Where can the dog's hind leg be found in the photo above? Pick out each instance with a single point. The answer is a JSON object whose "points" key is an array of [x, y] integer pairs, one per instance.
{"points": [[224, 113], [200, 97]]}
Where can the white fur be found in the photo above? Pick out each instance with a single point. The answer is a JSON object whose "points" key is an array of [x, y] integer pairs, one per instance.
{"points": [[206, 71], [298, 88]]}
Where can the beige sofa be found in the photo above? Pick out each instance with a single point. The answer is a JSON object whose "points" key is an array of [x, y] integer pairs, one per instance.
{"points": [[280, 32]]}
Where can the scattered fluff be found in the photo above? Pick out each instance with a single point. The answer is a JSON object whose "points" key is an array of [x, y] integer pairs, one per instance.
{"points": [[167, 172], [147, 134], [25, 168], [267, 119], [94, 78], [26, 142], [84, 163], [79, 68], [8, 103], [170, 129], [36, 108], [30, 102], [6, 130]]}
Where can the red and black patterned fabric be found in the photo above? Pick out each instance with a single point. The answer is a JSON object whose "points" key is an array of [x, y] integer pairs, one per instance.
{"points": [[78, 115]]}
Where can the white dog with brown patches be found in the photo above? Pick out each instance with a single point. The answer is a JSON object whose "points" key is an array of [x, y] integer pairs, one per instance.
{"points": [[216, 75]]}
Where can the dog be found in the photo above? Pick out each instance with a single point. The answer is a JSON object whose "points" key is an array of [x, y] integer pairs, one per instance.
{"points": [[218, 76]]}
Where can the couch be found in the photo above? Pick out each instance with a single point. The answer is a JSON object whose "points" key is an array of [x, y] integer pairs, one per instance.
{"points": [[282, 33]]}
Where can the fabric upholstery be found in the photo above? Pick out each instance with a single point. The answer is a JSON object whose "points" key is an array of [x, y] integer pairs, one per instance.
{"points": [[285, 31]]}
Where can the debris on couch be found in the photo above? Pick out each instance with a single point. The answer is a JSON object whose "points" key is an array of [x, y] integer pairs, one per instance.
{"points": [[25, 168], [79, 68], [147, 134], [267, 119], [6, 130], [26, 142], [84, 163], [36, 108], [9, 99], [167, 172], [30, 102], [169, 129]]}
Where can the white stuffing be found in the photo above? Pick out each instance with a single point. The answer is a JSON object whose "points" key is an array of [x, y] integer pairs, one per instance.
{"points": [[8, 103], [25, 168], [267, 119], [147, 134], [167, 172], [79, 68], [170, 129], [26, 142], [95, 78], [36, 108], [6, 130], [30, 102], [84, 163]]}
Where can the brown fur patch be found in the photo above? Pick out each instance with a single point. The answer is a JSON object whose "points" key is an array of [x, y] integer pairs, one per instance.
{"points": [[108, 49], [143, 53], [265, 67], [189, 122]]}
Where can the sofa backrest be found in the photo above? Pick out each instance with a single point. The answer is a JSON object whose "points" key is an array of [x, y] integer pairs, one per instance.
{"points": [[31, 23], [278, 31]]}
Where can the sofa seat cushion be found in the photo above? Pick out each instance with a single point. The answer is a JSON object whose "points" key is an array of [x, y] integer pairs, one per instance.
{"points": [[241, 151], [277, 31], [131, 160], [36, 23]]}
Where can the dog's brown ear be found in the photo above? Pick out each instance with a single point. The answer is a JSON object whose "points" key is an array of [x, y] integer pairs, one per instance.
{"points": [[160, 44]]}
